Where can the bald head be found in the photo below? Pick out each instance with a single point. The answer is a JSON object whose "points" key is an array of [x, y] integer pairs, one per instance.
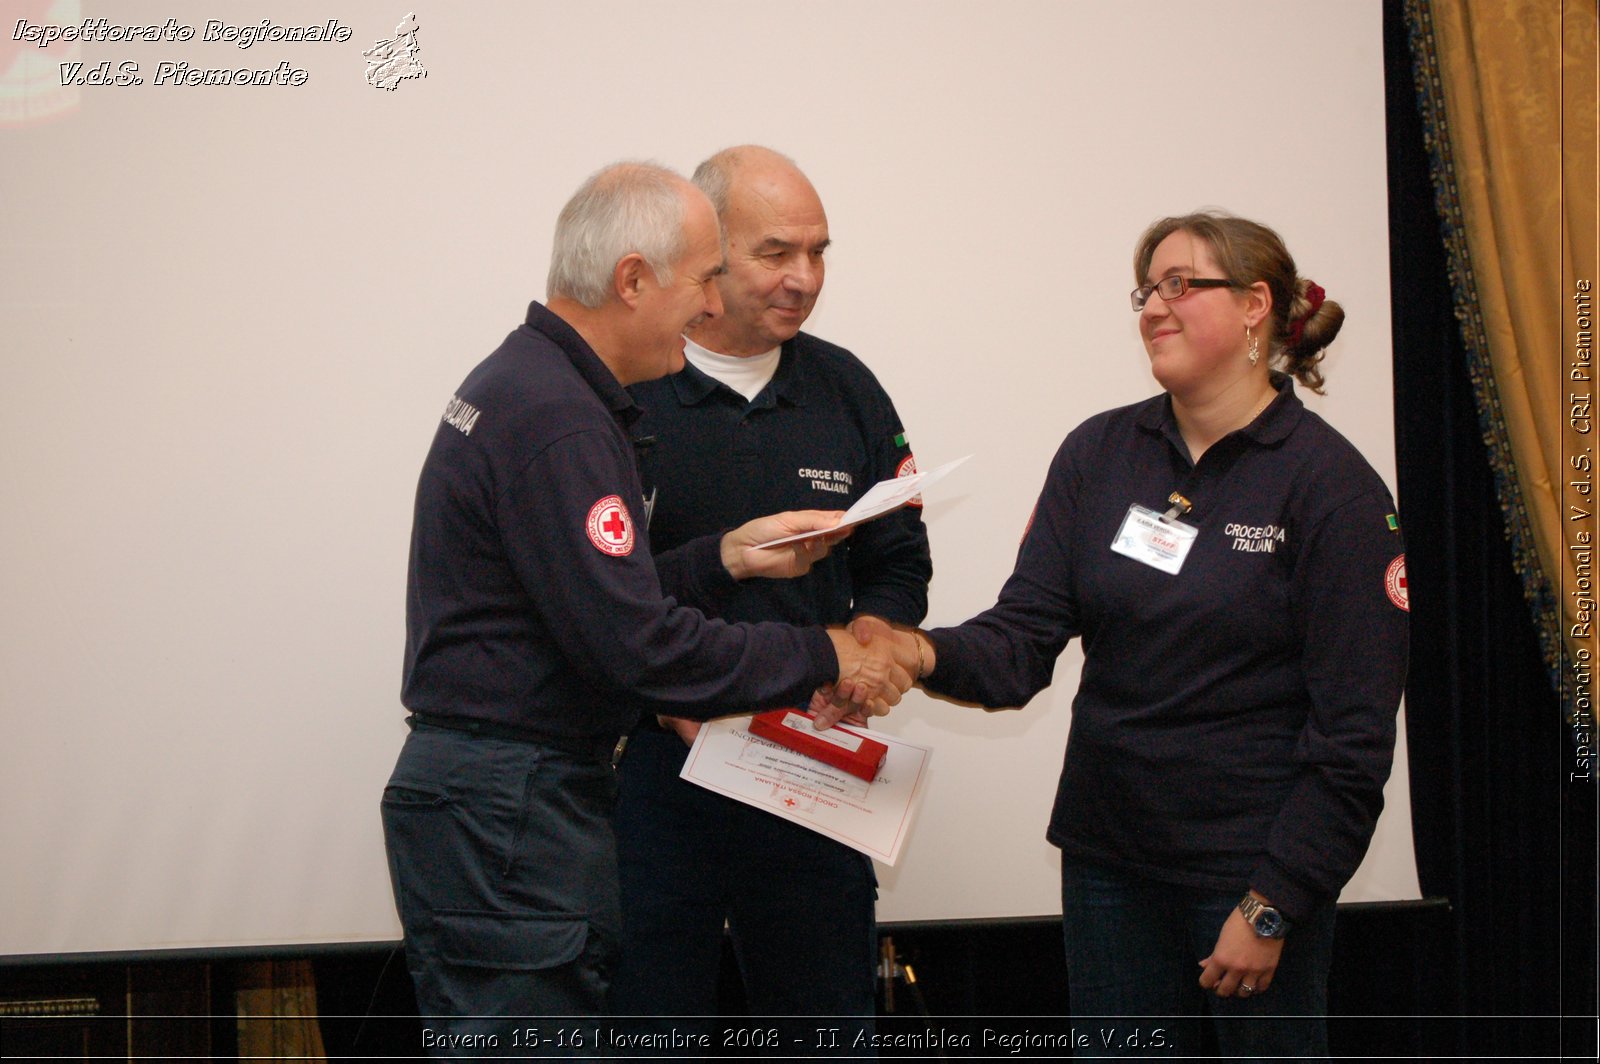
{"points": [[716, 175], [777, 232]]}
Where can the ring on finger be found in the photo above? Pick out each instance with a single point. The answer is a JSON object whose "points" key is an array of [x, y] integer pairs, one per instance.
{"points": [[1245, 990]]}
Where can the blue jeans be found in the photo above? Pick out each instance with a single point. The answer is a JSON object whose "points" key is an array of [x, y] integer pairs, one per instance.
{"points": [[1133, 973]]}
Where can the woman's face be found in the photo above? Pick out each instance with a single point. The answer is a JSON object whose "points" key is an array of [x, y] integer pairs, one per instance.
{"points": [[1196, 343]]}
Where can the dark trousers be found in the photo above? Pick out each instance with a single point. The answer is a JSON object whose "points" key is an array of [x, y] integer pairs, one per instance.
{"points": [[1133, 972], [799, 907], [504, 872]]}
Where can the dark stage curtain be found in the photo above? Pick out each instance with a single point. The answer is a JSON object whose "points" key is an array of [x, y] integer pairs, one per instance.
{"points": [[1502, 830]]}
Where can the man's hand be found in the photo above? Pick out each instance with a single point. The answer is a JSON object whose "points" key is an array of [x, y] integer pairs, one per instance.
{"points": [[911, 650], [685, 729], [789, 560], [867, 627], [870, 679]]}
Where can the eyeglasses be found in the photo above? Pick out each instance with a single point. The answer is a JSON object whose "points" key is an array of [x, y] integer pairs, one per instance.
{"points": [[1170, 288]]}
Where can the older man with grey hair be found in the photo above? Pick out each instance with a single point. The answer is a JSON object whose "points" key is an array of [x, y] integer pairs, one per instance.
{"points": [[765, 417], [537, 620]]}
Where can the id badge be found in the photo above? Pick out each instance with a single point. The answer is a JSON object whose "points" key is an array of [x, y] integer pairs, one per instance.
{"points": [[1145, 536]]}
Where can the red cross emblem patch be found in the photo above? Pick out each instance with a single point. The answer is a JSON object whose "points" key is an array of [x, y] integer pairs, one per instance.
{"points": [[907, 467], [610, 527], [1394, 582]]}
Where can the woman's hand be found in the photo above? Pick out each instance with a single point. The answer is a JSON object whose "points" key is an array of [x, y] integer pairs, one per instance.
{"points": [[1242, 962]]}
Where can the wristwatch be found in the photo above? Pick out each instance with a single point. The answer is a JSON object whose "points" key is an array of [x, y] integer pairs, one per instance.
{"points": [[1262, 918]]}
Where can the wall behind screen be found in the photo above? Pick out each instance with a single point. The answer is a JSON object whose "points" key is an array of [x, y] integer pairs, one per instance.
{"points": [[233, 316]]}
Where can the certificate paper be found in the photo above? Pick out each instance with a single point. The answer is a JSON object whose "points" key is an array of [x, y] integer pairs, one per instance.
{"points": [[874, 818], [883, 497]]}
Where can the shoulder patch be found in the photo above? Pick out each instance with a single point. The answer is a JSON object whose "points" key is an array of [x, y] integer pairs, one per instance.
{"points": [[610, 527], [1394, 582], [908, 466]]}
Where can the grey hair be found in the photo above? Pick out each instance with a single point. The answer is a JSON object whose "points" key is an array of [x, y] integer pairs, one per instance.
{"points": [[625, 208], [714, 177]]}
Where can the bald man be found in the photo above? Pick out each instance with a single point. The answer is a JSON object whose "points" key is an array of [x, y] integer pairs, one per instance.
{"points": [[764, 418]]}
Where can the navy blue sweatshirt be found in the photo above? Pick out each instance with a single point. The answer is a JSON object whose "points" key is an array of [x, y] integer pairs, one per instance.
{"points": [[1234, 724], [533, 599]]}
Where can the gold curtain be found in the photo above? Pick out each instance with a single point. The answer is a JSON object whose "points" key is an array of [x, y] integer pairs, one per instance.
{"points": [[276, 1003], [1508, 90]]}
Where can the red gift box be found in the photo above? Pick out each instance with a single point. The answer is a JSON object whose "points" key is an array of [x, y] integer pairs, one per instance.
{"points": [[843, 748]]}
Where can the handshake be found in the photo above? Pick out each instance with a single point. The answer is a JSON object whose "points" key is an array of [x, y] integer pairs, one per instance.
{"points": [[877, 664]]}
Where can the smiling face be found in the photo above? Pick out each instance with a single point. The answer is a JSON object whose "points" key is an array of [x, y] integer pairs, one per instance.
{"points": [[1196, 343], [669, 310], [777, 233]]}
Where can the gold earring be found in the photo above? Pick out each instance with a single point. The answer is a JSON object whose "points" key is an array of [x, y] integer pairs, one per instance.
{"points": [[1255, 346]]}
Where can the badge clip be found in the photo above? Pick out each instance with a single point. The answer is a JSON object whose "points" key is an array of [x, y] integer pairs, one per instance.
{"points": [[1180, 506]]}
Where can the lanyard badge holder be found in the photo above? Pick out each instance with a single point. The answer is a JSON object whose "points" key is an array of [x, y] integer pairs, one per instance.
{"points": [[1160, 541]]}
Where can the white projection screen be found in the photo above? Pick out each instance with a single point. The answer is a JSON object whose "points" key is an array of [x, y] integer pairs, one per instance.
{"points": [[234, 313]]}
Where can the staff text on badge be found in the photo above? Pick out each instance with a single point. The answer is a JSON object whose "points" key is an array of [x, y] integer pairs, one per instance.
{"points": [[1151, 539]]}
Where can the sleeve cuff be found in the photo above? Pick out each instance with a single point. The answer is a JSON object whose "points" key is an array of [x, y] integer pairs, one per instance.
{"points": [[1283, 893], [705, 581]]}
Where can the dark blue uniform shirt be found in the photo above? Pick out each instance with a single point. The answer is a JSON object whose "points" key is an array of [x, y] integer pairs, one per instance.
{"points": [[819, 435], [1235, 723], [533, 600]]}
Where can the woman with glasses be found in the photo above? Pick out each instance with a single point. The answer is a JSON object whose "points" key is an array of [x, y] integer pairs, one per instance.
{"points": [[1235, 570]]}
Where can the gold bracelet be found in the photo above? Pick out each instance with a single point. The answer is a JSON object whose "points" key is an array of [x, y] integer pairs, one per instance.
{"points": [[922, 665]]}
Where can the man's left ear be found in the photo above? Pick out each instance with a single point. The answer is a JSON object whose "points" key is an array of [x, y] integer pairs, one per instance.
{"points": [[627, 277], [1257, 303]]}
